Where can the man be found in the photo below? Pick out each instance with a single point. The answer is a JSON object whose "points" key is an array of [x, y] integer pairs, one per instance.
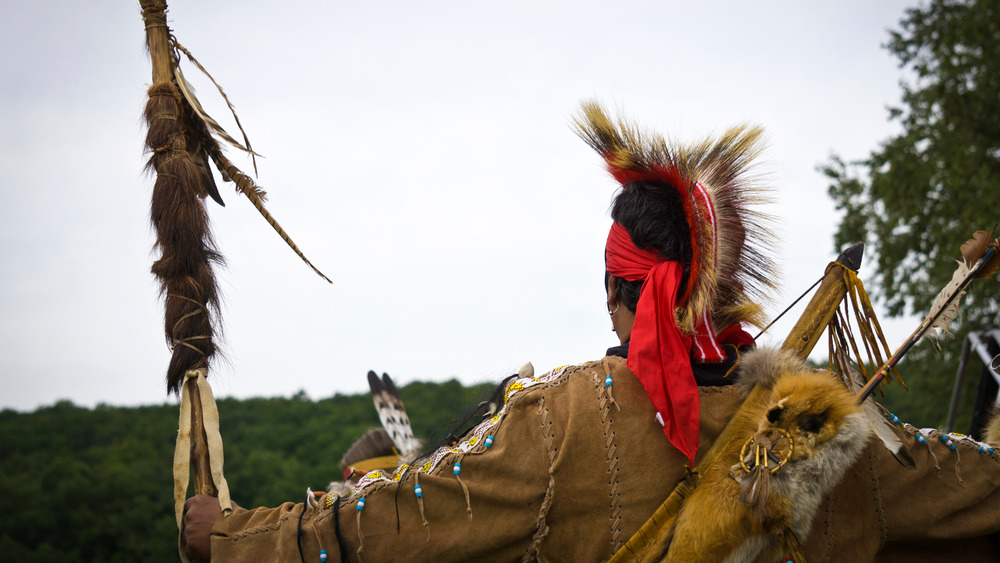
{"points": [[576, 460]]}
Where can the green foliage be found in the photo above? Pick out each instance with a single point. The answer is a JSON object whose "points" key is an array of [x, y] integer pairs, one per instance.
{"points": [[96, 485], [919, 196]]}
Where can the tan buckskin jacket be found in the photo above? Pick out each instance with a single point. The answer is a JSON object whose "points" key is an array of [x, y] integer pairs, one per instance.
{"points": [[570, 468]]}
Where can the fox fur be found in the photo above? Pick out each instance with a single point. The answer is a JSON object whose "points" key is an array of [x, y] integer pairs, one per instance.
{"points": [[828, 434], [991, 433]]}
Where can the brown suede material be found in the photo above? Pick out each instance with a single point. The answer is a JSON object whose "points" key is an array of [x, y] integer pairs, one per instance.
{"points": [[881, 510], [572, 475]]}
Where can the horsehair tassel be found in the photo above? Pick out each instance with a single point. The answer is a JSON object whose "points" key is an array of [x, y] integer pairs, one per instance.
{"points": [[420, 502], [468, 501], [184, 240]]}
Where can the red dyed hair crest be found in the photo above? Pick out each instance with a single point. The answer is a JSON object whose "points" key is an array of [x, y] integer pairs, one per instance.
{"points": [[729, 274]]}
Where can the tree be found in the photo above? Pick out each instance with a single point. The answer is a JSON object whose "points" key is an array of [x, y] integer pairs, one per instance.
{"points": [[94, 485], [923, 192]]}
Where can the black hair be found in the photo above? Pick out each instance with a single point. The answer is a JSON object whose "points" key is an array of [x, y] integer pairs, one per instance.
{"points": [[653, 214]]}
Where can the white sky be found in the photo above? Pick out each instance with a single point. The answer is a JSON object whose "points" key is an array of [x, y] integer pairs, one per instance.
{"points": [[419, 153]]}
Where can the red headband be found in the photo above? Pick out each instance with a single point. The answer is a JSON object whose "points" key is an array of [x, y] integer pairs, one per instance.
{"points": [[660, 354]]}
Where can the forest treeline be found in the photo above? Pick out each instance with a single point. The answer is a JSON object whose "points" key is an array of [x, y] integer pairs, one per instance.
{"points": [[80, 484]]}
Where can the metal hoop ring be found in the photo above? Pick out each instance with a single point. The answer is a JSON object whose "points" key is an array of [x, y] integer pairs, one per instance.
{"points": [[753, 439]]}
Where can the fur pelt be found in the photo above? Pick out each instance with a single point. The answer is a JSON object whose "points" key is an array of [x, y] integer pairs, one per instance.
{"points": [[991, 433], [762, 367], [739, 516]]}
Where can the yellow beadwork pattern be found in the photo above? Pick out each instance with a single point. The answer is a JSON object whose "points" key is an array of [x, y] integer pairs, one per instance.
{"points": [[476, 443]]}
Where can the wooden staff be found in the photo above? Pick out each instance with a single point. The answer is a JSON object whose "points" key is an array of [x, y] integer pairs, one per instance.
{"points": [[181, 143], [646, 544], [180, 219]]}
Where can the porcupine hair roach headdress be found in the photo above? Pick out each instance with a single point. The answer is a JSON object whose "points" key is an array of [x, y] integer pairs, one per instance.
{"points": [[729, 273]]}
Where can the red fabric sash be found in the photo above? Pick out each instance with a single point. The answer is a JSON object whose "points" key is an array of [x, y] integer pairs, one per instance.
{"points": [[660, 354]]}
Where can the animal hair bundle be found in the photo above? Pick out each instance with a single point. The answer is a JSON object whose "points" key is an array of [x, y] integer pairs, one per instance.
{"points": [[183, 236]]}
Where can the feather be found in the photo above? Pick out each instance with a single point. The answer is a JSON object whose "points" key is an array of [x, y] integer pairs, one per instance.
{"points": [[944, 309], [875, 414], [980, 260], [257, 197], [976, 247], [754, 487], [375, 443], [189, 95], [392, 413], [227, 169]]}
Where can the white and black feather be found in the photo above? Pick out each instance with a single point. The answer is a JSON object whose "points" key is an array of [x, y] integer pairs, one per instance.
{"points": [[392, 413]]}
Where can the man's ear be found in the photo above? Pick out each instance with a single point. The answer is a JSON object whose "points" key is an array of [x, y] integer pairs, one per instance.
{"points": [[612, 287]]}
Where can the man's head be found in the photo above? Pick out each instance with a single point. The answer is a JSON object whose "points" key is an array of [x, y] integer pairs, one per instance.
{"points": [[683, 274], [654, 218]]}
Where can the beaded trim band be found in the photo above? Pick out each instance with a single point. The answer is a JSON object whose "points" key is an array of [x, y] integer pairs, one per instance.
{"points": [[479, 439]]}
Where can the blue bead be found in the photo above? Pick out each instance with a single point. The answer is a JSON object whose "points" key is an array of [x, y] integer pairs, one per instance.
{"points": [[419, 491], [322, 556], [361, 504], [607, 381], [489, 441], [894, 419]]}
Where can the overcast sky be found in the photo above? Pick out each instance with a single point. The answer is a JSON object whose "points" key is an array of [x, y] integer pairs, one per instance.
{"points": [[419, 153]]}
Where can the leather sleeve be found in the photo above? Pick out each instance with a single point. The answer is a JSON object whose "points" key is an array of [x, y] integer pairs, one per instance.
{"points": [[943, 510], [573, 468]]}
